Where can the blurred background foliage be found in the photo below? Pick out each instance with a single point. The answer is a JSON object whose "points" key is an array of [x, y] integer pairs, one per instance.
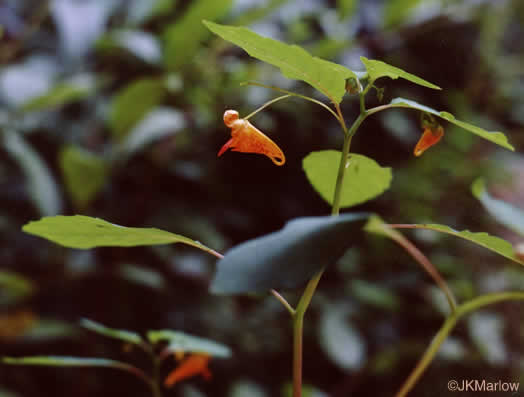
{"points": [[113, 108]]}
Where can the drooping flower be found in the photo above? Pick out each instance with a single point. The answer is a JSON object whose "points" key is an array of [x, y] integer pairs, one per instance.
{"points": [[431, 136], [195, 364], [246, 138]]}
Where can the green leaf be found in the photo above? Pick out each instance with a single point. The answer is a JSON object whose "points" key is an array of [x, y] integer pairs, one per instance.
{"points": [[510, 216], [123, 335], [288, 257], [294, 62], [84, 232], [84, 174], [59, 95], [364, 179], [377, 69], [346, 8], [64, 361], [492, 243], [180, 341], [184, 36], [496, 137], [133, 102]]}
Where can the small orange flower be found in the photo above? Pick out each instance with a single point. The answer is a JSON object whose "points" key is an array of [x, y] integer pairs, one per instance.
{"points": [[195, 364], [246, 138], [430, 137]]}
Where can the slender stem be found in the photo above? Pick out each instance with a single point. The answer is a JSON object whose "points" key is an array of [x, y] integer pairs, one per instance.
{"points": [[284, 302], [298, 325], [265, 105], [445, 330], [155, 385], [428, 356], [293, 94], [305, 299]]}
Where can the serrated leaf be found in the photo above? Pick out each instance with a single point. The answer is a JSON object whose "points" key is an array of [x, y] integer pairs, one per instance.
{"points": [[288, 257], [492, 243], [377, 69], [184, 36], [294, 62], [41, 185], [59, 95], [496, 137], [84, 174], [84, 232], [510, 216], [123, 335], [182, 342], [363, 181], [133, 102], [64, 361]]}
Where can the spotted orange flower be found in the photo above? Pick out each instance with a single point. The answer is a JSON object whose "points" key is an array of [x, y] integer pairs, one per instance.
{"points": [[246, 138], [431, 136], [195, 364]]}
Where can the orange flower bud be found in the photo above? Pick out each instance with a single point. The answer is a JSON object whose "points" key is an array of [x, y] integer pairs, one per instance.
{"points": [[430, 137], [195, 364], [246, 138]]}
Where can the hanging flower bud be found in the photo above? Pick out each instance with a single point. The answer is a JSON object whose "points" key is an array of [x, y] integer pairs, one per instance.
{"points": [[430, 137], [246, 138]]}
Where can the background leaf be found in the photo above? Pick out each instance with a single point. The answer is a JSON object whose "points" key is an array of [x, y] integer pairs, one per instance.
{"points": [[182, 342], [123, 335], [59, 95], [84, 174], [133, 102], [346, 8], [288, 257], [396, 11], [364, 179], [64, 361], [157, 124], [84, 232], [510, 216], [294, 62], [496, 137], [377, 69], [41, 185], [184, 36]]}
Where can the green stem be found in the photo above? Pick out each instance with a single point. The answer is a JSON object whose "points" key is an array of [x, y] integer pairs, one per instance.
{"points": [[305, 299], [445, 330], [155, 384]]}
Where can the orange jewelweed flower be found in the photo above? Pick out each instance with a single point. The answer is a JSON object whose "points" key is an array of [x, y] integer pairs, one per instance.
{"points": [[246, 138], [430, 137], [195, 364]]}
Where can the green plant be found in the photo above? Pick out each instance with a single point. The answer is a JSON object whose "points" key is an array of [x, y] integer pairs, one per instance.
{"points": [[300, 252]]}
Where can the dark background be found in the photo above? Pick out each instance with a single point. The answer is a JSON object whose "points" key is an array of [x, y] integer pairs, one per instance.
{"points": [[374, 312]]}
